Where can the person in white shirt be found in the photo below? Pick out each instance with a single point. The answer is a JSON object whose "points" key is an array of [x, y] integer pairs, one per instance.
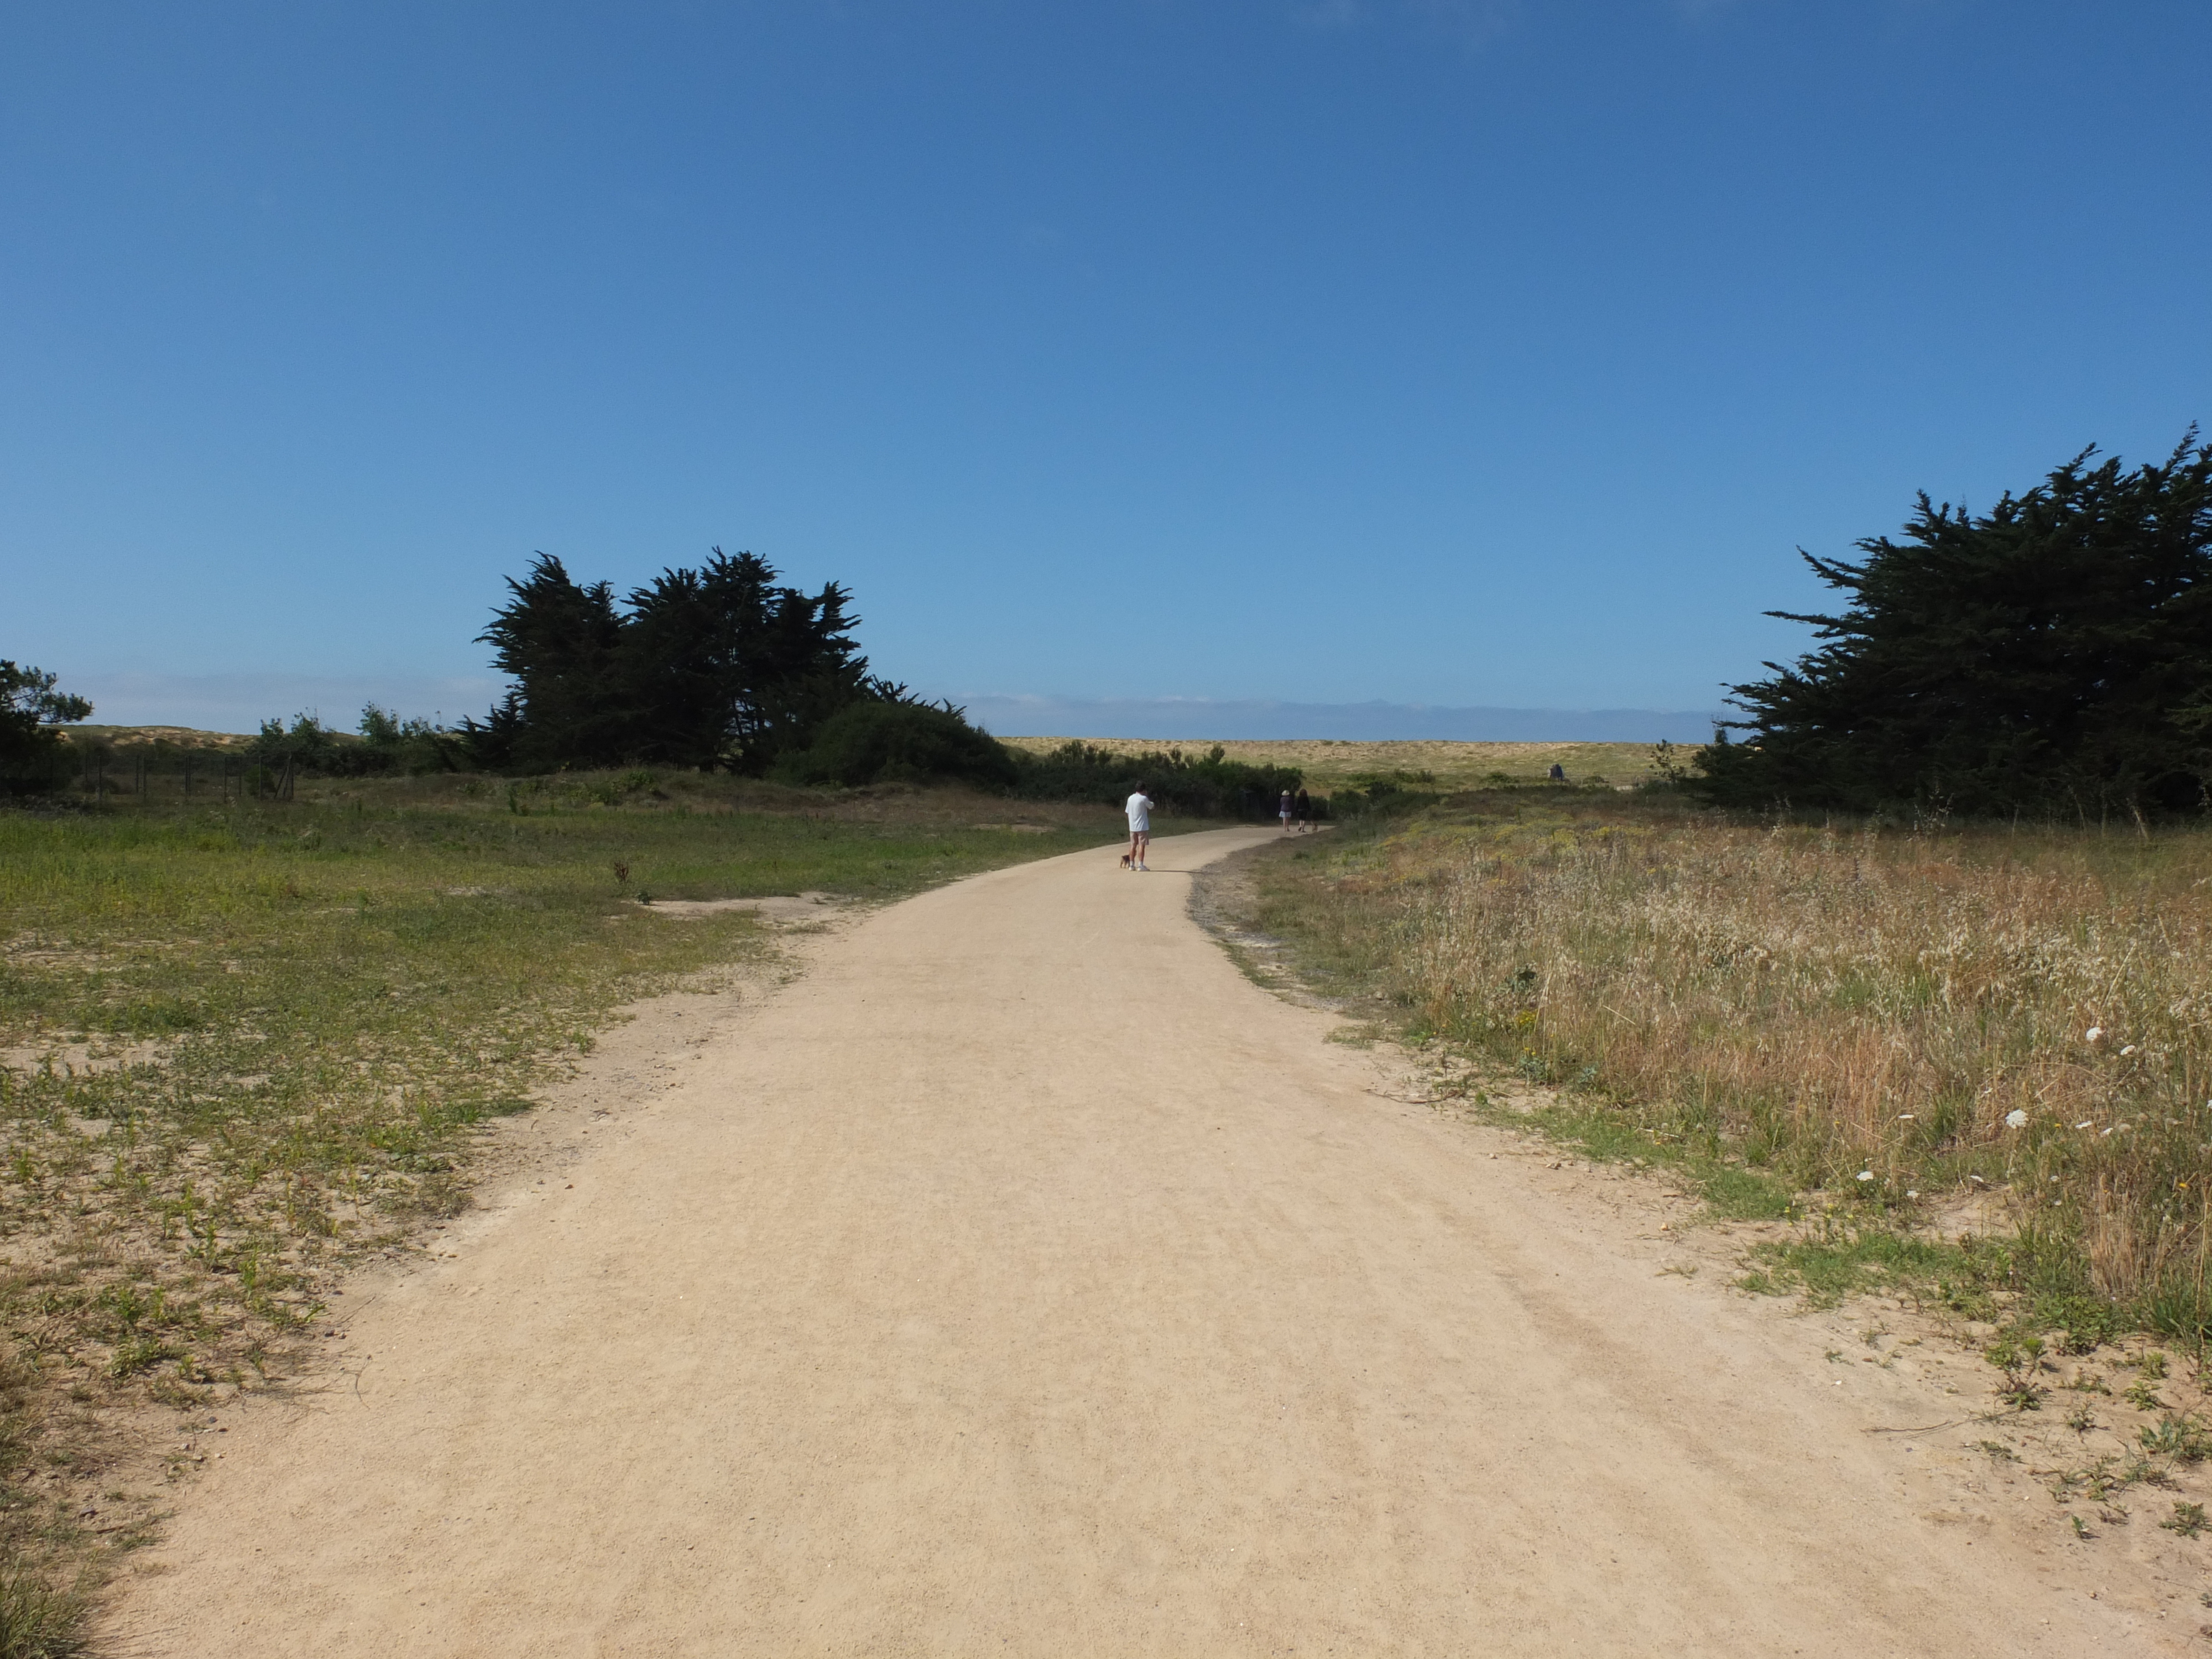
{"points": [[1139, 809]]}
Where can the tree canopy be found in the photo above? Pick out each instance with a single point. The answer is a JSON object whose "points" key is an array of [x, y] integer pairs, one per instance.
{"points": [[386, 744], [30, 711], [714, 668], [2051, 654]]}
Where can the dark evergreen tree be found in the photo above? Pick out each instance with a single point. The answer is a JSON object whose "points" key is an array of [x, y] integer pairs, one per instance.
{"points": [[2052, 655], [30, 709], [717, 667], [558, 640], [723, 668]]}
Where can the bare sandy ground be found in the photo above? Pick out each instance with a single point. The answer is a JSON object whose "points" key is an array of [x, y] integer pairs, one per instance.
{"points": [[1021, 1280]]}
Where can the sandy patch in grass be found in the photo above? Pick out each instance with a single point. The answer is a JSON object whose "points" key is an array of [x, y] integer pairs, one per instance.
{"points": [[783, 908], [84, 1057]]}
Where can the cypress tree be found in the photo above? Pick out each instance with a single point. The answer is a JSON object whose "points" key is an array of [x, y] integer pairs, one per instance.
{"points": [[720, 667], [724, 668], [2052, 655]]}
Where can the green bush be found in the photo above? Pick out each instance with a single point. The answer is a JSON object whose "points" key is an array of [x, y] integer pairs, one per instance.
{"points": [[1383, 797], [899, 743], [1207, 786], [386, 744]]}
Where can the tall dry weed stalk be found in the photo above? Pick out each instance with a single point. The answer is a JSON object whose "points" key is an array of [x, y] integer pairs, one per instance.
{"points": [[1916, 1004]]}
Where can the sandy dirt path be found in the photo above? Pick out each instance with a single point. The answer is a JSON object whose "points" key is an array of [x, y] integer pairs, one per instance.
{"points": [[1023, 1280]]}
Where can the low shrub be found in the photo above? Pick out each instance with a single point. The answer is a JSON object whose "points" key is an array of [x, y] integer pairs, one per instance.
{"points": [[1205, 786], [899, 743]]}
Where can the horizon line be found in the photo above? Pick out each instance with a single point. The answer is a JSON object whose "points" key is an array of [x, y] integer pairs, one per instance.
{"points": [[237, 703]]}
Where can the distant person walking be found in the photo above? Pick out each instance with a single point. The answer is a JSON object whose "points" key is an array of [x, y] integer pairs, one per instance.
{"points": [[1139, 807], [1303, 805], [1285, 810], [1558, 773]]}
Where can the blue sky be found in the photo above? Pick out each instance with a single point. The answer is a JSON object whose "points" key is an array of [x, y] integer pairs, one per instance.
{"points": [[1408, 351]]}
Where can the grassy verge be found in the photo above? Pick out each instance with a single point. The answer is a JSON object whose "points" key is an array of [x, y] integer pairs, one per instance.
{"points": [[239, 1042], [1865, 1027]]}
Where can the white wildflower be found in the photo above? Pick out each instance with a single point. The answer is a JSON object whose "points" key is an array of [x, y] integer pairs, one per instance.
{"points": [[2015, 1118]]}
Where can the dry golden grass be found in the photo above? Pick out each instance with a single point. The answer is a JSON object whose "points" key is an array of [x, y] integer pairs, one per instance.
{"points": [[1329, 763], [1889, 1015]]}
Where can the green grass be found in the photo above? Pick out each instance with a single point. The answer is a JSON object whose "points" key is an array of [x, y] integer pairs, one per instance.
{"points": [[37, 1621], [1832, 1262], [247, 1041], [1603, 1132]]}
